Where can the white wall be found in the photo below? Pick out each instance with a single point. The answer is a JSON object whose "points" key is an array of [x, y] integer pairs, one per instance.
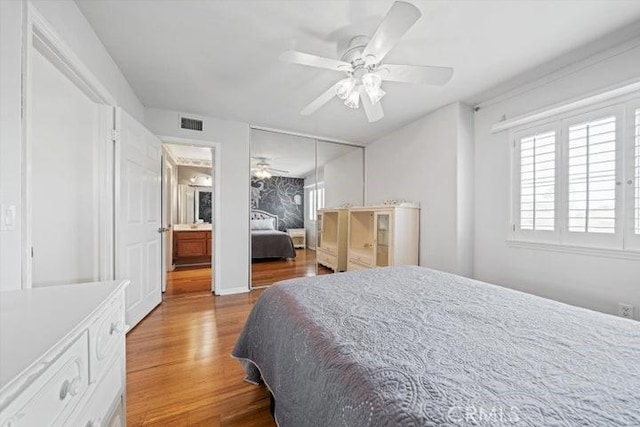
{"points": [[344, 180], [10, 135], [233, 224], [420, 163], [595, 282], [66, 20], [63, 165]]}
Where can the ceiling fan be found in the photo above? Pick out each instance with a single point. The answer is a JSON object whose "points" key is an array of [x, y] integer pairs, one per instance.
{"points": [[362, 63], [263, 170]]}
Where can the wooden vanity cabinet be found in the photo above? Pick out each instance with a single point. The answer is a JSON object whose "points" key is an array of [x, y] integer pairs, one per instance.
{"points": [[192, 247]]}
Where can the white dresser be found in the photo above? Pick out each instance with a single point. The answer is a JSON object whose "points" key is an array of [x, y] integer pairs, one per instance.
{"points": [[62, 356], [382, 236], [332, 238]]}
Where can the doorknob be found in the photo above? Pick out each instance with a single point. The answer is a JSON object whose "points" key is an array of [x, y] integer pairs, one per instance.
{"points": [[162, 229]]}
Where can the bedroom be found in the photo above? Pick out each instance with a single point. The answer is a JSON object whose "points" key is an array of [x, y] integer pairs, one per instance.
{"points": [[447, 149]]}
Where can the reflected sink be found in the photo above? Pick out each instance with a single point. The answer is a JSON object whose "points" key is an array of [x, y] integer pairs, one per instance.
{"points": [[191, 227]]}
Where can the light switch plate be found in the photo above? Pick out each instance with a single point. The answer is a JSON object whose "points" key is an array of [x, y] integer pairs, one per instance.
{"points": [[7, 217]]}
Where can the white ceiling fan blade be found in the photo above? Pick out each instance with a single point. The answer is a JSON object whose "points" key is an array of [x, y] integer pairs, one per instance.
{"points": [[395, 24], [415, 74], [302, 58], [320, 101], [374, 112]]}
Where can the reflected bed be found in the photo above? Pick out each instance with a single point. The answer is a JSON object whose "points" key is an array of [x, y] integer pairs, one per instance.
{"points": [[266, 240]]}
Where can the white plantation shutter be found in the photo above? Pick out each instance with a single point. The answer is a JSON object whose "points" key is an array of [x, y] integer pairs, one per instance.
{"points": [[537, 181], [592, 176], [636, 173], [312, 205], [576, 180]]}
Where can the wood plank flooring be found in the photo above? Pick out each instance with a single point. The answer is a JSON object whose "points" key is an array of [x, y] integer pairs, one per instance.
{"points": [[268, 271], [179, 366]]}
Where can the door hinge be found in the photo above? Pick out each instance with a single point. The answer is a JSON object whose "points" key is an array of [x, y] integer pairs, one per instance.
{"points": [[115, 135], [513, 227], [31, 251]]}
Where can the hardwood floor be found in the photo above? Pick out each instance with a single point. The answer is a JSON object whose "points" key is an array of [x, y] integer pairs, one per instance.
{"points": [[184, 280], [179, 366], [267, 272]]}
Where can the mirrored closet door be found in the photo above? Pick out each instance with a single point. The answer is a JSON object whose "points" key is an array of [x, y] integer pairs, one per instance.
{"points": [[301, 189], [340, 185], [283, 176]]}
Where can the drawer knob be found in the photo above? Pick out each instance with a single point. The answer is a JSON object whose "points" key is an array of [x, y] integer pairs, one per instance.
{"points": [[70, 388], [116, 327]]}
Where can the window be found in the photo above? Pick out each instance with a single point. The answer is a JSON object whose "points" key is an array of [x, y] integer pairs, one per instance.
{"points": [[316, 201], [568, 177], [635, 162], [537, 181], [592, 176]]}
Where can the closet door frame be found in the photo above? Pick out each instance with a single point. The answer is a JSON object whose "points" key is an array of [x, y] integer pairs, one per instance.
{"points": [[38, 35]]}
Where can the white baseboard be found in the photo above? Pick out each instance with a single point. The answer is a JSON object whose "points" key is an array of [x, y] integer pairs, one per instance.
{"points": [[231, 291]]}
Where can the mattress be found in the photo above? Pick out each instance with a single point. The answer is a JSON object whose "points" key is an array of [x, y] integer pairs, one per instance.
{"points": [[271, 244], [409, 346]]}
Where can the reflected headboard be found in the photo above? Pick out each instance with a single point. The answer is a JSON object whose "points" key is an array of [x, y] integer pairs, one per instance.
{"points": [[258, 214]]}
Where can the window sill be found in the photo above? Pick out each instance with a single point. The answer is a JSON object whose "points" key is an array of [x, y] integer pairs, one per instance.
{"points": [[579, 250]]}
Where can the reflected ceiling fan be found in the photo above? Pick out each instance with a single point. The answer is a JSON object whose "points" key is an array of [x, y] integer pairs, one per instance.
{"points": [[263, 170], [362, 63]]}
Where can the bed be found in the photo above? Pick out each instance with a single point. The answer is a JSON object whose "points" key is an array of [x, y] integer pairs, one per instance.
{"points": [[266, 240], [410, 346]]}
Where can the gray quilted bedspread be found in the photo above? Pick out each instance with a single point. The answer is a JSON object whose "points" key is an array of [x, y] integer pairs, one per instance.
{"points": [[409, 346]]}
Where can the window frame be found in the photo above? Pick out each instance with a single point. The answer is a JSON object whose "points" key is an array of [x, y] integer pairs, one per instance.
{"points": [[623, 243], [517, 233], [631, 239], [587, 239]]}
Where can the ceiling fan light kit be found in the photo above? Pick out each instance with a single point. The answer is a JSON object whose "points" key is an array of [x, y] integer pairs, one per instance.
{"points": [[345, 87], [362, 63], [262, 174], [353, 99], [263, 170]]}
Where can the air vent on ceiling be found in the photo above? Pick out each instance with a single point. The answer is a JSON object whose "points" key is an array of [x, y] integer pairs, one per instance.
{"points": [[191, 124]]}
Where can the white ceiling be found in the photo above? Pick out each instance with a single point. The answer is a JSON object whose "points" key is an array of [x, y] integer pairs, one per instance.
{"points": [[219, 58], [294, 154]]}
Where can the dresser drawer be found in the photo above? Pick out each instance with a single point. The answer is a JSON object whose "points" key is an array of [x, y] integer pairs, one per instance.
{"points": [[329, 250], [327, 260], [355, 265], [51, 403], [106, 397], [106, 338]]}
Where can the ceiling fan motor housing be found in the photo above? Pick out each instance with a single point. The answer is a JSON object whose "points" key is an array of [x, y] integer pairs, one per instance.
{"points": [[353, 54]]}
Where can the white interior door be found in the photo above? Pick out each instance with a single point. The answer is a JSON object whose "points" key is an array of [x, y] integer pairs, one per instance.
{"points": [[138, 198], [167, 220]]}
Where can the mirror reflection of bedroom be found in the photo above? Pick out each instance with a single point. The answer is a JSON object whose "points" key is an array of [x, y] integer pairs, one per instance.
{"points": [[187, 190], [298, 187]]}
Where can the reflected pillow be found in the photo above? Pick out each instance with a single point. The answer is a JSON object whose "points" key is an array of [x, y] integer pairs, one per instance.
{"points": [[263, 224]]}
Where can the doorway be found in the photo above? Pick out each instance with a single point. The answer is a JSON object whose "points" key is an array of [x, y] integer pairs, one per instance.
{"points": [[188, 214]]}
